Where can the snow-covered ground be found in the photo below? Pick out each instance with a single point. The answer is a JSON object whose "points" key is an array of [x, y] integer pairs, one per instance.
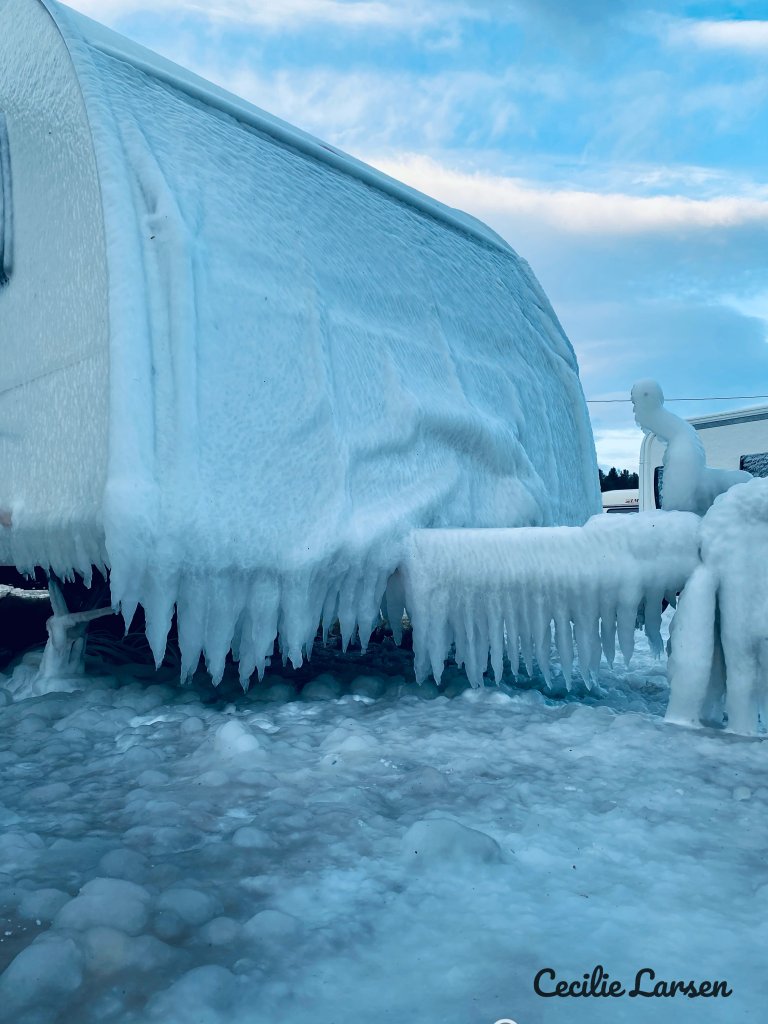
{"points": [[363, 850]]}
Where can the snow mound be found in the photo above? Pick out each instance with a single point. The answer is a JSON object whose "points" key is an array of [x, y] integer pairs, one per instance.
{"points": [[107, 901], [49, 970], [234, 740], [438, 840]]}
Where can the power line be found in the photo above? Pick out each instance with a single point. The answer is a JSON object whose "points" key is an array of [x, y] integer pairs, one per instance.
{"points": [[716, 397]]}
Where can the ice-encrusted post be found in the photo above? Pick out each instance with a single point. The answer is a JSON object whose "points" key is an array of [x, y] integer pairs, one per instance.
{"points": [[725, 602], [64, 654]]}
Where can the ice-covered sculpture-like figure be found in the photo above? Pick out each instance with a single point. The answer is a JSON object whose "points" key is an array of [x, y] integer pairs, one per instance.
{"points": [[720, 632], [689, 484]]}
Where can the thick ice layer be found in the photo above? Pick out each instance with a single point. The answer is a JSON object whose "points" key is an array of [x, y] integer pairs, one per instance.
{"points": [[167, 858], [304, 367], [499, 592], [723, 614]]}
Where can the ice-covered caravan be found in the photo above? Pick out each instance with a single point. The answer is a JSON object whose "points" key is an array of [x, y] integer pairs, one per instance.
{"points": [[238, 366]]}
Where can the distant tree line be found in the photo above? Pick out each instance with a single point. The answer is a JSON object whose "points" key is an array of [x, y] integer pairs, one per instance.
{"points": [[618, 479]]}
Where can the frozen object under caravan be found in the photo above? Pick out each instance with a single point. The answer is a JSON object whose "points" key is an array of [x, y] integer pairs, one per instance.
{"points": [[238, 366]]}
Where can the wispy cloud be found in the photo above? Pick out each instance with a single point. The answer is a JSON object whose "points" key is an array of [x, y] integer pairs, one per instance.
{"points": [[577, 211], [740, 36], [293, 14], [618, 446], [374, 110]]}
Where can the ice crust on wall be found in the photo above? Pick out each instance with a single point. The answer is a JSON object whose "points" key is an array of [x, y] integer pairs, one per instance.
{"points": [[54, 363], [303, 369], [499, 592], [720, 632]]}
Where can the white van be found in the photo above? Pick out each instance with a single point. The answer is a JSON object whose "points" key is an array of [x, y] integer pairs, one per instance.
{"points": [[732, 440], [626, 500]]}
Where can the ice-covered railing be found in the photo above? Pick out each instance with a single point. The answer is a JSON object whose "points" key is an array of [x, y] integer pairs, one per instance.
{"points": [[499, 592]]}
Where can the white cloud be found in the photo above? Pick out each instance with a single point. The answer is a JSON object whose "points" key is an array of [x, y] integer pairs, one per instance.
{"points": [[381, 111], [573, 210], [618, 447], [742, 36], [291, 14]]}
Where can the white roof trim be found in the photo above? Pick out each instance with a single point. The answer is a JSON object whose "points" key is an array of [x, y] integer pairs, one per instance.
{"points": [[721, 419]]}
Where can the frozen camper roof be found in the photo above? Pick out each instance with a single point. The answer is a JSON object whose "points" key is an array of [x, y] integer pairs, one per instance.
{"points": [[298, 359]]}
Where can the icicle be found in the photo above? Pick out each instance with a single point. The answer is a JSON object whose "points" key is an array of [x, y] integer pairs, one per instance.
{"points": [[465, 583], [369, 607], [191, 623], [437, 644], [226, 598], [511, 639], [526, 641], [564, 642], [330, 610], [608, 625], [159, 602], [395, 599], [626, 617], [348, 603], [259, 626], [653, 621], [496, 637], [542, 638], [587, 638]]}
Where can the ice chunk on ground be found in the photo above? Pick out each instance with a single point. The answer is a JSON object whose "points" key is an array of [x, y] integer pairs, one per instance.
{"points": [[250, 838], [205, 995], [48, 970], [110, 951], [113, 902], [234, 740], [221, 931], [194, 908], [272, 928], [43, 904], [440, 841]]}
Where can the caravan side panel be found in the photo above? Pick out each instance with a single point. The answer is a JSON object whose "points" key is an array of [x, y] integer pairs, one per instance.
{"points": [[726, 441], [53, 305]]}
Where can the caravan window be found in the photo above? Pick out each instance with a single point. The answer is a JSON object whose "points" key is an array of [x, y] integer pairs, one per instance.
{"points": [[6, 208], [757, 464]]}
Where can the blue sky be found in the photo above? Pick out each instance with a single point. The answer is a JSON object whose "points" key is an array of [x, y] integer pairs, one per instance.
{"points": [[620, 147]]}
